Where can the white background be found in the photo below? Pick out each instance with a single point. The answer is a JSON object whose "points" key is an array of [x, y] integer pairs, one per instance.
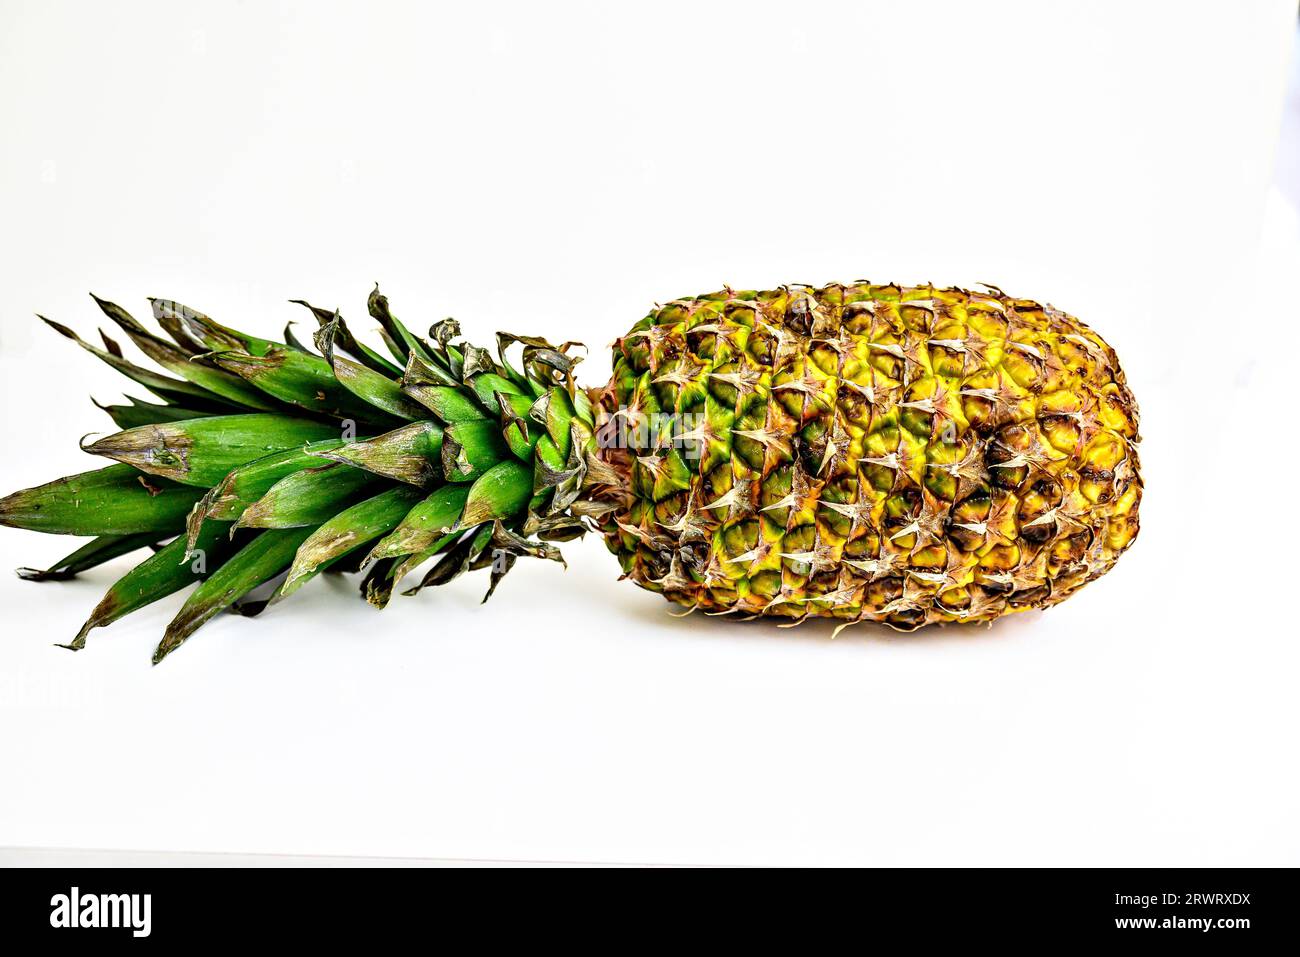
{"points": [[556, 169]]}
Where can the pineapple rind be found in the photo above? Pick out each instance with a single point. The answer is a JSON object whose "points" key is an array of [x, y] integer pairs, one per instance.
{"points": [[907, 455]]}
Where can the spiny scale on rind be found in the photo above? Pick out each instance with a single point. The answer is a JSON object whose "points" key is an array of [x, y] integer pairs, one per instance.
{"points": [[908, 455]]}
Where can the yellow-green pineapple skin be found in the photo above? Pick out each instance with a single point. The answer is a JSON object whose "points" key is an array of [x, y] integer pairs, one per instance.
{"points": [[907, 455]]}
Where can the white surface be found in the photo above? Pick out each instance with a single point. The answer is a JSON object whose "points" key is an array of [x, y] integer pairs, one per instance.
{"points": [[556, 170], [78, 858]]}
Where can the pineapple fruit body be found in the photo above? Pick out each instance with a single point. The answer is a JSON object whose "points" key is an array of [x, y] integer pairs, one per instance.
{"points": [[908, 455]]}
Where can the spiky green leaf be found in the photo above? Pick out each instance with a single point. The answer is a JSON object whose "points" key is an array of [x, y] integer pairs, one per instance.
{"points": [[161, 574], [410, 454], [259, 561], [307, 497], [91, 555], [424, 524], [401, 339], [471, 448], [165, 387], [117, 500], [338, 333], [202, 451], [346, 531], [191, 368], [302, 380], [139, 413], [502, 492]]}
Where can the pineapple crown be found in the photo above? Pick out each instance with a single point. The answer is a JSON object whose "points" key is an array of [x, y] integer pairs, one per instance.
{"points": [[269, 461]]}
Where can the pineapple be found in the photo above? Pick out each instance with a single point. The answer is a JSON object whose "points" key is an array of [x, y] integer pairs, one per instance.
{"points": [[905, 455]]}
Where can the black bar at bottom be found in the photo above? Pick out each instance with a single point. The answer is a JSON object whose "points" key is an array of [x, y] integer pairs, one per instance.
{"points": [[337, 906]]}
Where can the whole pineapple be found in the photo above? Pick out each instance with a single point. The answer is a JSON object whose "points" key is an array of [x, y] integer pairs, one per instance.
{"points": [[906, 455]]}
